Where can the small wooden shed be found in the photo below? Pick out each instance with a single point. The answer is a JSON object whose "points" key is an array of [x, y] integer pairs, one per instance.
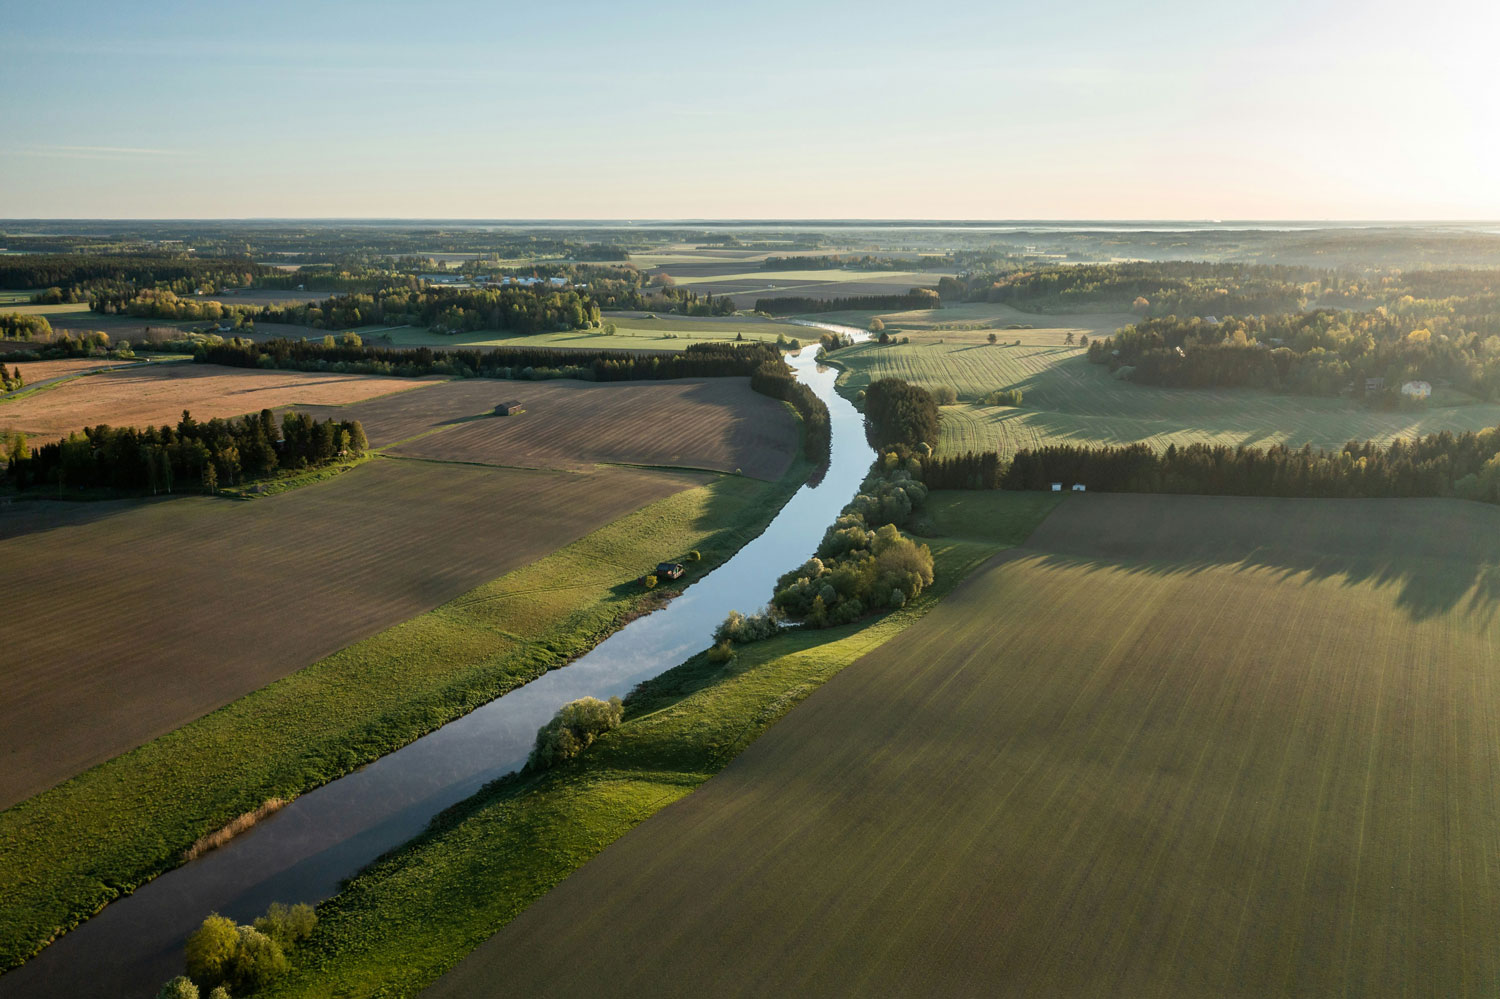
{"points": [[511, 408]]}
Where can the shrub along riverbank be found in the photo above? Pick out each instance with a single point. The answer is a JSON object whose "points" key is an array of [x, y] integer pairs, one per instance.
{"points": [[74, 848], [414, 914]]}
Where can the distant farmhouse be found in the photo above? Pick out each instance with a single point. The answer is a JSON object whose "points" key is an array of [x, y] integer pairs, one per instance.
{"points": [[1373, 385]]}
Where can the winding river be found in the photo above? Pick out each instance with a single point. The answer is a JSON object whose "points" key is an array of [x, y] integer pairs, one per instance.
{"points": [[303, 852]]}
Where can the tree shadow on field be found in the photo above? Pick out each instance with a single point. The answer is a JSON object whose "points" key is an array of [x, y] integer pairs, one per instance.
{"points": [[34, 514], [1441, 556]]}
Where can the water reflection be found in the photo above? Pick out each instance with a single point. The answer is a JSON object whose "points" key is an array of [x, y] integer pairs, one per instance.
{"points": [[304, 851]]}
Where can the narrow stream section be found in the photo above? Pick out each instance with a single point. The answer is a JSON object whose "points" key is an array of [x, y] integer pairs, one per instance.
{"points": [[304, 851]]}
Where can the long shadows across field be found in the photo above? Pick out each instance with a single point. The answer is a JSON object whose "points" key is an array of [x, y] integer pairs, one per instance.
{"points": [[1442, 555]]}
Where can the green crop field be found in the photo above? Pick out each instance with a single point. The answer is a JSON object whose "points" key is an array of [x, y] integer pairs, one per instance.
{"points": [[1067, 400], [409, 917], [1170, 746]]}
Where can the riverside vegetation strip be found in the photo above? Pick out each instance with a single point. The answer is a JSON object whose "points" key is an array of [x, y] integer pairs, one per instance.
{"points": [[416, 913], [71, 850]]}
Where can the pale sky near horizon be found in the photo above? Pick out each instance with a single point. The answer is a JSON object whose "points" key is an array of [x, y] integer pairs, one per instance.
{"points": [[1322, 109]]}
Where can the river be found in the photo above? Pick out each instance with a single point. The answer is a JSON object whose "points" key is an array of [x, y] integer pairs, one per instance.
{"points": [[303, 852]]}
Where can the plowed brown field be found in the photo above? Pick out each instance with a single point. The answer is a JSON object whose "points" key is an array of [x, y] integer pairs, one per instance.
{"points": [[131, 619], [150, 396]]}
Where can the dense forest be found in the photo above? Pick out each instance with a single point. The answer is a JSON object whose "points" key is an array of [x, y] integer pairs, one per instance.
{"points": [[79, 277], [1323, 352], [1464, 465], [916, 298], [189, 457], [899, 413]]}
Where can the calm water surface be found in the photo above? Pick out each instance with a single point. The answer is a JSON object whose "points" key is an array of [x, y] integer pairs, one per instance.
{"points": [[304, 851]]}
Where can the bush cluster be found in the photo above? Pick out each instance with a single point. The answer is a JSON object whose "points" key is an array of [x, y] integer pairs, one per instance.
{"points": [[1002, 397], [228, 958], [573, 729], [864, 563]]}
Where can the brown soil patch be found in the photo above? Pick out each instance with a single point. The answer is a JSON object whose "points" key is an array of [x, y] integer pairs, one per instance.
{"points": [[719, 424], [154, 395], [141, 616]]}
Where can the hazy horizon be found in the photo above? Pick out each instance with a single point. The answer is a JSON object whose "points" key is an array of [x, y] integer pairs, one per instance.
{"points": [[1330, 111]]}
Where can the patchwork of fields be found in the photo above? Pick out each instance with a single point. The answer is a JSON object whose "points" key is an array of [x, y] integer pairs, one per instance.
{"points": [[1067, 400], [1171, 746], [185, 604], [151, 395]]}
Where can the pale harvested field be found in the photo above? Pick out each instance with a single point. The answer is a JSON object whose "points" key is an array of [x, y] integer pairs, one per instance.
{"points": [[140, 617], [35, 372], [158, 394], [718, 424], [1173, 746]]}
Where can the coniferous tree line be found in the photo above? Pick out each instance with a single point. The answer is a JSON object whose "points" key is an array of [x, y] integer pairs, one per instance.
{"points": [[1464, 465], [348, 355], [916, 298], [193, 456]]}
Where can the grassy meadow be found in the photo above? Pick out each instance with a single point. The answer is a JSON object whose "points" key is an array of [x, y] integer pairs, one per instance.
{"points": [[1067, 400], [415, 914], [70, 850], [1171, 746]]}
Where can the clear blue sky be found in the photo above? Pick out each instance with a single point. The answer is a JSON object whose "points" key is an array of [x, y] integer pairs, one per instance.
{"points": [[1277, 109]]}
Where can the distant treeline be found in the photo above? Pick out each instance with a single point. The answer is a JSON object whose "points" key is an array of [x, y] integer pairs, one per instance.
{"points": [[1155, 288], [189, 457], [70, 277], [1319, 353], [525, 310], [1465, 465], [865, 262], [700, 360], [917, 298], [899, 413]]}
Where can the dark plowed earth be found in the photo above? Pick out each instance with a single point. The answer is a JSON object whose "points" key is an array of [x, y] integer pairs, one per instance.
{"points": [[130, 619]]}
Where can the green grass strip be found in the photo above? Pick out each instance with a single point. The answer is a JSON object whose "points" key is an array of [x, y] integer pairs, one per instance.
{"points": [[69, 851], [415, 913]]}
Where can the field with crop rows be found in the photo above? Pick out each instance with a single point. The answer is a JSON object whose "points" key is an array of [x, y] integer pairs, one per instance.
{"points": [[1170, 746], [719, 424], [1067, 400], [194, 601]]}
